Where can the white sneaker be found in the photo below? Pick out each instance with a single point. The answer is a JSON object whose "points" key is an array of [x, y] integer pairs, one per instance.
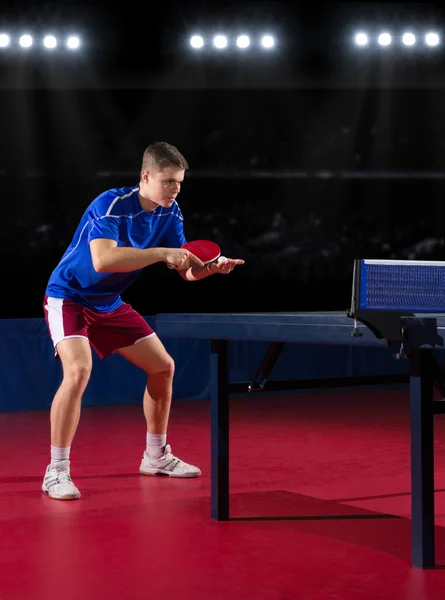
{"points": [[167, 464], [57, 482]]}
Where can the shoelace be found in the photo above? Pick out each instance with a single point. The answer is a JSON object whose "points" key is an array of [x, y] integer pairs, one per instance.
{"points": [[61, 476]]}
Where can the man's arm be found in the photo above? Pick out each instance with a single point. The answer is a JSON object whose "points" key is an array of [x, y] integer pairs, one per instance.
{"points": [[109, 258]]}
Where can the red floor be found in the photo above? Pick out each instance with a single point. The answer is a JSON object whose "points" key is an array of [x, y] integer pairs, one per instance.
{"points": [[320, 498]]}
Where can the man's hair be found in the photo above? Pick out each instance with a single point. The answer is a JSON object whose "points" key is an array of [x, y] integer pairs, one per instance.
{"points": [[159, 155]]}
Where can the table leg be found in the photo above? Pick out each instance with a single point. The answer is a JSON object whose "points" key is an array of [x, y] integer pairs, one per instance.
{"points": [[219, 430], [422, 458]]}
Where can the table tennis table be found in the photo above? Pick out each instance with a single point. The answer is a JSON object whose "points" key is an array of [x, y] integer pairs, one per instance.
{"points": [[402, 317]]}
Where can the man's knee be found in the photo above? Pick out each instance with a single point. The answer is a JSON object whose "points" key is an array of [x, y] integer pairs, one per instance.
{"points": [[76, 358], [170, 365], [77, 373], [166, 365], [163, 364]]}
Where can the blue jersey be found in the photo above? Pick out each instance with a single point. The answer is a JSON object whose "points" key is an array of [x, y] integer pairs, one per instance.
{"points": [[116, 214]]}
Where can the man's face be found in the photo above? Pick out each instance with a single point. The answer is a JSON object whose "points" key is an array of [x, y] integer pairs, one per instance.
{"points": [[162, 187]]}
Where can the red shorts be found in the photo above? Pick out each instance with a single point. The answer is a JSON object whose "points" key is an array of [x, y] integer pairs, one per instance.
{"points": [[106, 332]]}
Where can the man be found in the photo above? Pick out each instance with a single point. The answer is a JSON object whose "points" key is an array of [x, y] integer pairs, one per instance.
{"points": [[121, 232]]}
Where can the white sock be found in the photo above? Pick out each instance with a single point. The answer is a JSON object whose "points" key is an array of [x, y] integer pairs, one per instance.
{"points": [[155, 444], [59, 454]]}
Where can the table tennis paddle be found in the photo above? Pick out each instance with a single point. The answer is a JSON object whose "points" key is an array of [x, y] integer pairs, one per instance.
{"points": [[205, 250]]}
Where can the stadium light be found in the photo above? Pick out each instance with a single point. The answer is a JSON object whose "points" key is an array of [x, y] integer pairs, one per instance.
{"points": [[25, 41], [4, 40], [267, 41], [73, 42], [409, 39], [384, 39], [196, 41], [49, 41], [361, 39], [220, 41], [432, 39], [243, 41]]}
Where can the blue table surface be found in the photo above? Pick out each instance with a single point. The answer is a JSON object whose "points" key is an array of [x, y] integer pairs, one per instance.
{"points": [[297, 327]]}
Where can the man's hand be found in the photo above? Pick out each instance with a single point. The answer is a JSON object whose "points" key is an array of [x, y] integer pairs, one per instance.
{"points": [[181, 259], [224, 267]]}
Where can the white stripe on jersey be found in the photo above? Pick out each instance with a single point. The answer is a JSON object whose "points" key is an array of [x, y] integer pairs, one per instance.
{"points": [[110, 208]]}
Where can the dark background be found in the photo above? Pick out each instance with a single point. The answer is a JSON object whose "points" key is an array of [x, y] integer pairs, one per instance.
{"points": [[301, 159]]}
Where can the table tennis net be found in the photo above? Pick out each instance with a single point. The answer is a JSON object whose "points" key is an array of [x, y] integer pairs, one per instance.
{"points": [[415, 286]]}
